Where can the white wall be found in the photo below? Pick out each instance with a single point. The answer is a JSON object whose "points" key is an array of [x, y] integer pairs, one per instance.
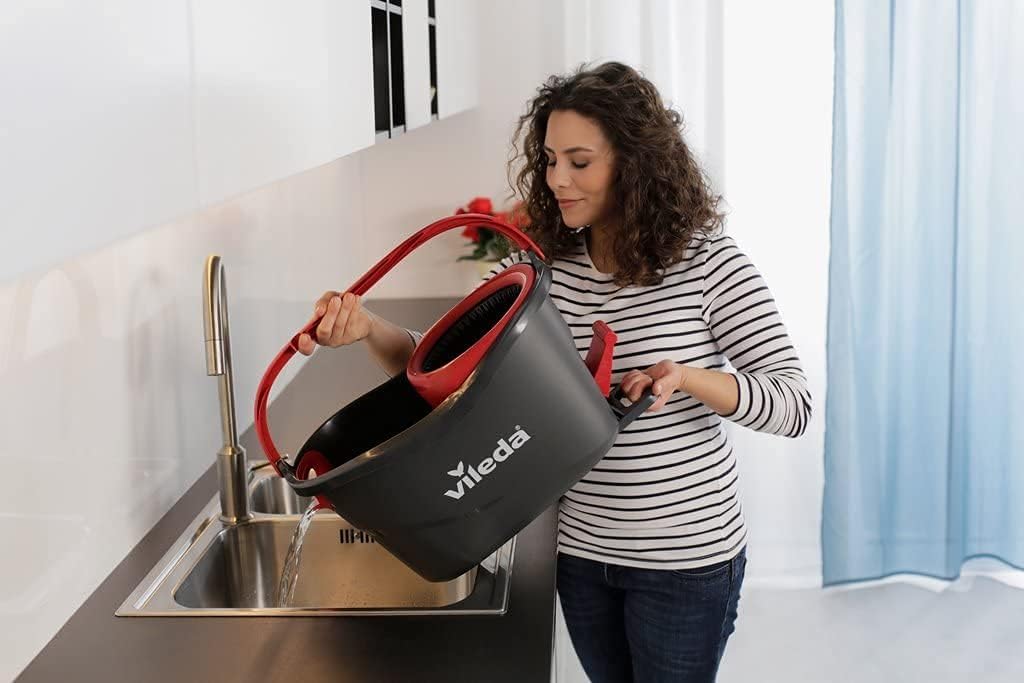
{"points": [[677, 44], [105, 405], [778, 150]]}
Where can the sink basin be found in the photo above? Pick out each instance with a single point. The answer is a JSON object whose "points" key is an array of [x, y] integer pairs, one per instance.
{"points": [[222, 570], [273, 496], [340, 566]]}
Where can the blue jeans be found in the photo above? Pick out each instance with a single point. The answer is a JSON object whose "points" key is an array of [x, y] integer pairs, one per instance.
{"points": [[649, 625]]}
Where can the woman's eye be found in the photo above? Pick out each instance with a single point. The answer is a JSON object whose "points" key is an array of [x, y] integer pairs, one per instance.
{"points": [[576, 165]]}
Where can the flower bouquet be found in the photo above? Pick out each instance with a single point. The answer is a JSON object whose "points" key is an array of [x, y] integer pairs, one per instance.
{"points": [[487, 244]]}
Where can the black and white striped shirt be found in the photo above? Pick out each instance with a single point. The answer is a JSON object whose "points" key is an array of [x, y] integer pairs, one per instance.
{"points": [[666, 495]]}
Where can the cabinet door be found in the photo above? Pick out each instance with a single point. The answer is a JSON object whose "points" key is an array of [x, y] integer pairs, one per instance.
{"points": [[281, 87], [95, 126], [457, 56], [417, 63], [350, 74]]}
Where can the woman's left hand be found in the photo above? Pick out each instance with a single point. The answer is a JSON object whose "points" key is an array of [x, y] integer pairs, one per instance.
{"points": [[666, 377]]}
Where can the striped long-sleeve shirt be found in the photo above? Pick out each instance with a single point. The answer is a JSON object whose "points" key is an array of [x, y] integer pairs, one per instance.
{"points": [[666, 495]]}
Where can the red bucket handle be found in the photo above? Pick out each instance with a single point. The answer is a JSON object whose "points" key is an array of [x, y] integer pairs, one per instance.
{"points": [[361, 286]]}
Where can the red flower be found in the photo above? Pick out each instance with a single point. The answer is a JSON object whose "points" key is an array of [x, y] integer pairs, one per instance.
{"points": [[487, 242], [481, 205], [478, 205]]}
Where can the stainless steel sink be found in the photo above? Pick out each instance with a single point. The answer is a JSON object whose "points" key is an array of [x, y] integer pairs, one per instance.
{"points": [[217, 569], [273, 496]]}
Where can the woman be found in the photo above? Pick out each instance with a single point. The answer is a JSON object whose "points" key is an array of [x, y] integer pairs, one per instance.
{"points": [[652, 541]]}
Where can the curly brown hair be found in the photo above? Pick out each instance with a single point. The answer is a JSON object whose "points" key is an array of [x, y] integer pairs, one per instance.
{"points": [[663, 197]]}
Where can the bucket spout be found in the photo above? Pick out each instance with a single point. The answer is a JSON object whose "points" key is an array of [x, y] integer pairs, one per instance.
{"points": [[599, 356]]}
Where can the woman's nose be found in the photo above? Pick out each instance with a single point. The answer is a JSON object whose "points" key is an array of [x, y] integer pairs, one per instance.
{"points": [[557, 176]]}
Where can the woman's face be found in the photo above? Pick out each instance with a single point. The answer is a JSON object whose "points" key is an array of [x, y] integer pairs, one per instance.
{"points": [[580, 168]]}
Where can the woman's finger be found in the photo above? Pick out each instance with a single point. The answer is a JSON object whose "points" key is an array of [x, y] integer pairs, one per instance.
{"points": [[664, 378], [341, 322], [325, 329], [306, 345], [630, 377], [320, 307], [637, 387], [657, 405]]}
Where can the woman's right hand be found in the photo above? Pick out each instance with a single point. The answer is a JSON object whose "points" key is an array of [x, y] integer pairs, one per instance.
{"points": [[344, 321]]}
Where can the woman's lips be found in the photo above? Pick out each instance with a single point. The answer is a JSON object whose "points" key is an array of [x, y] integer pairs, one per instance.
{"points": [[566, 203]]}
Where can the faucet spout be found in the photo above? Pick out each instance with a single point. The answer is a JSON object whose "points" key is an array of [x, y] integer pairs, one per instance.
{"points": [[231, 462], [214, 314]]}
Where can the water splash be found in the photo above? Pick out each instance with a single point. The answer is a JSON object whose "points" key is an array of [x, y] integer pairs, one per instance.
{"points": [[290, 575]]}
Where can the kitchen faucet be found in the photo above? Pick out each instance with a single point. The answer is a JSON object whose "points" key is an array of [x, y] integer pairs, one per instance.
{"points": [[231, 463]]}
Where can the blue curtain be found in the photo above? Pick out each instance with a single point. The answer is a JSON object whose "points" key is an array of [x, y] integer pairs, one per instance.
{"points": [[924, 443]]}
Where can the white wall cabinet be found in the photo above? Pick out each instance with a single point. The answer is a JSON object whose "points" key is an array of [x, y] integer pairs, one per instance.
{"points": [[95, 125], [350, 76], [457, 56], [137, 112], [416, 27], [424, 62], [281, 87]]}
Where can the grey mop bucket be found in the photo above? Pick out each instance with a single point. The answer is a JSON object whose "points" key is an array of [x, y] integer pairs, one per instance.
{"points": [[441, 487]]}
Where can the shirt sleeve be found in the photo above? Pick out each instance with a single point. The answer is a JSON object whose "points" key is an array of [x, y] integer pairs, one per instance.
{"points": [[745, 322]]}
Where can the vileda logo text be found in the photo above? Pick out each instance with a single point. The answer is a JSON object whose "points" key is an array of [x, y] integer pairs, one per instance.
{"points": [[468, 477]]}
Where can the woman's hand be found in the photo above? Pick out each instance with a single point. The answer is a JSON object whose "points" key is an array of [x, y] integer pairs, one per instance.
{"points": [[666, 377], [344, 321]]}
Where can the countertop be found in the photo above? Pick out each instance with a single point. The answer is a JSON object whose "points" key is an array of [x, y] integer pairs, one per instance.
{"points": [[95, 645]]}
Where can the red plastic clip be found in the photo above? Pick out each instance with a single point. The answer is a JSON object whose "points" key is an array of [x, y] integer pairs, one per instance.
{"points": [[315, 461], [599, 356]]}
